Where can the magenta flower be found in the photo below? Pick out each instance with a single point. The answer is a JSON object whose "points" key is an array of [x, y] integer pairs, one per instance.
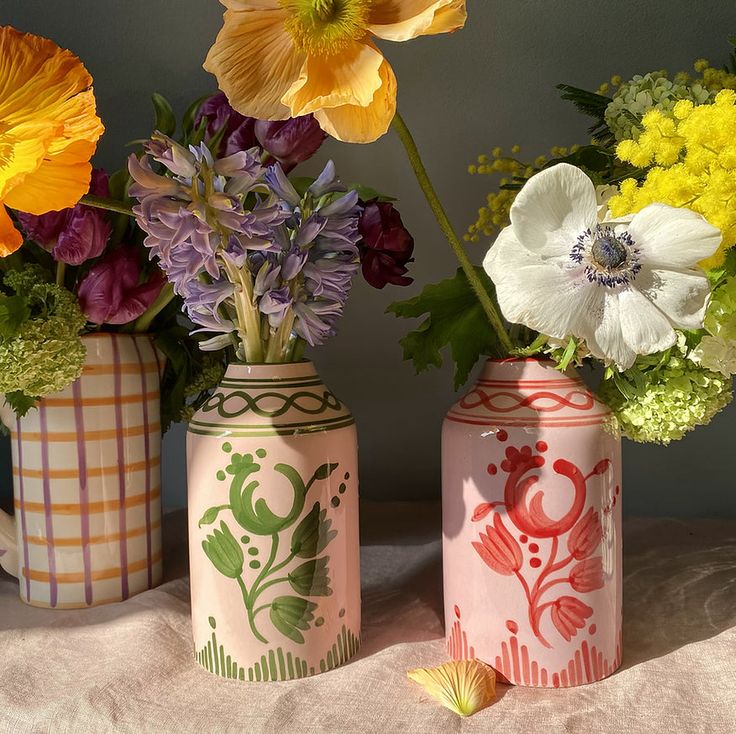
{"points": [[112, 291], [75, 235], [386, 246]]}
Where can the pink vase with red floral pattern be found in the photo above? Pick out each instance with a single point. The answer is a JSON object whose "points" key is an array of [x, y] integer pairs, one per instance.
{"points": [[531, 484]]}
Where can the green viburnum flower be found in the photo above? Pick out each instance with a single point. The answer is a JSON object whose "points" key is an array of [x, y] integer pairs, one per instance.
{"points": [[717, 350], [640, 94], [41, 351], [661, 402]]}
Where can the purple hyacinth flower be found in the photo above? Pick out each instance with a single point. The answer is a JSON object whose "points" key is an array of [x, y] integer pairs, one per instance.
{"points": [[327, 182], [275, 304]]}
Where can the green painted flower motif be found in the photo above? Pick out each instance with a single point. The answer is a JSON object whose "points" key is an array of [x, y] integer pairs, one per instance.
{"points": [[290, 615], [224, 552], [313, 533], [311, 578]]}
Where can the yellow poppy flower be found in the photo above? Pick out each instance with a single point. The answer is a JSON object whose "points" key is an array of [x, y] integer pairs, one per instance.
{"points": [[463, 686], [276, 59], [48, 129]]}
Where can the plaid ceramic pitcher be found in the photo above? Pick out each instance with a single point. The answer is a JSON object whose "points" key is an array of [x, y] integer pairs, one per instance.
{"points": [[86, 477]]}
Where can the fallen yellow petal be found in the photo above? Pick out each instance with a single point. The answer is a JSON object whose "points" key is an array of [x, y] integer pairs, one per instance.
{"points": [[463, 686]]}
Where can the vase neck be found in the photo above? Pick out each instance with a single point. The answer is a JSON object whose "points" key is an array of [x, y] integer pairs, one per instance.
{"points": [[248, 374]]}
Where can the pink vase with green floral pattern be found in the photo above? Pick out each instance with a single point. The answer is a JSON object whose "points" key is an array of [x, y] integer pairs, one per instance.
{"points": [[273, 526]]}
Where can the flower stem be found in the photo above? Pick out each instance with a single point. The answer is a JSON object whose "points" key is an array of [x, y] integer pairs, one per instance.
{"points": [[110, 205], [60, 273], [442, 219], [143, 323]]}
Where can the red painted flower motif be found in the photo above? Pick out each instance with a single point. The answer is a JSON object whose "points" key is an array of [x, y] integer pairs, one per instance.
{"points": [[569, 615], [499, 549], [586, 536], [587, 575]]}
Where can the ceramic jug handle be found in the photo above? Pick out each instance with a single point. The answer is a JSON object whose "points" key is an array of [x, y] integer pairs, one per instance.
{"points": [[8, 544]]}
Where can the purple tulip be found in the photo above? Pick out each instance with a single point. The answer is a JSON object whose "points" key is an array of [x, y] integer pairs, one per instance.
{"points": [[290, 141], [75, 235], [111, 292], [236, 131], [287, 141], [45, 229], [386, 245]]}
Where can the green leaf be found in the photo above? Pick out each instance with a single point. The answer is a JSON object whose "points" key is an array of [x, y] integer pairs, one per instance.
{"points": [[591, 104], [325, 471], [187, 122], [301, 183], [313, 534], [367, 193], [20, 402], [290, 614], [454, 318], [14, 311], [224, 552], [311, 578], [165, 120]]}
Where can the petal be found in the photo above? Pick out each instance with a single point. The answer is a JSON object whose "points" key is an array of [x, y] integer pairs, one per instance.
{"points": [[553, 209], [682, 296], [353, 124], [22, 149], [645, 328], [673, 237], [401, 20], [10, 238], [255, 60], [463, 686], [547, 295], [350, 77], [59, 183], [606, 339]]}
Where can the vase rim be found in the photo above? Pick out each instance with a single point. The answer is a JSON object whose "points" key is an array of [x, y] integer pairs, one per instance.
{"points": [[270, 371], [512, 360]]}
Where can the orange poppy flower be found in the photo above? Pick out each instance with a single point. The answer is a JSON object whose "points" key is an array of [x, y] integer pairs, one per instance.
{"points": [[276, 59], [48, 129]]}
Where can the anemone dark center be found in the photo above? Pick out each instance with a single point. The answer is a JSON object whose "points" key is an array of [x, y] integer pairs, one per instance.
{"points": [[609, 252]]}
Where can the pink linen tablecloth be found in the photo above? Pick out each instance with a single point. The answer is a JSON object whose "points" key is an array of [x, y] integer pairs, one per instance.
{"points": [[130, 668]]}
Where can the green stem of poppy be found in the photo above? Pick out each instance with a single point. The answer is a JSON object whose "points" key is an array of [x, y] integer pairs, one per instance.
{"points": [[438, 210]]}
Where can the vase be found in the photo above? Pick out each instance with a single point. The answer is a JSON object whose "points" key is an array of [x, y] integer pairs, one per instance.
{"points": [[86, 480], [531, 482], [273, 525]]}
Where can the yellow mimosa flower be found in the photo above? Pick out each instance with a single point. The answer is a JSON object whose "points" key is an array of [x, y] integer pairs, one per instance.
{"points": [[276, 59], [463, 686], [48, 129]]}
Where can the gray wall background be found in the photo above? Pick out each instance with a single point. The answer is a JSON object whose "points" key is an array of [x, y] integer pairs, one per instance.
{"points": [[491, 84]]}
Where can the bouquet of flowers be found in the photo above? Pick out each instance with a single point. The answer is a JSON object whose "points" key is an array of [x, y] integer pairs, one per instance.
{"points": [[263, 263], [618, 252]]}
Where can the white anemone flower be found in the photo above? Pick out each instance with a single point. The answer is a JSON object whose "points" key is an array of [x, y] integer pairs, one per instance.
{"points": [[623, 286]]}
